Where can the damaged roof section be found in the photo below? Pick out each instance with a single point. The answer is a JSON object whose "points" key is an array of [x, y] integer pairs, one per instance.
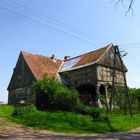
{"points": [[83, 60], [68, 65]]}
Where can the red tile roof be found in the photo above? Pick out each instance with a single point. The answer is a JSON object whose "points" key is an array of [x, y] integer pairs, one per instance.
{"points": [[84, 60], [41, 65], [90, 57]]}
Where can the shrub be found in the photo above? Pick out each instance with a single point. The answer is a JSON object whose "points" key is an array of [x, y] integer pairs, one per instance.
{"points": [[87, 110], [22, 110], [51, 94], [65, 99], [135, 98]]}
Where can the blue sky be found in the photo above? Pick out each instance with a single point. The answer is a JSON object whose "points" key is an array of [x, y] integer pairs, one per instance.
{"points": [[24, 30]]}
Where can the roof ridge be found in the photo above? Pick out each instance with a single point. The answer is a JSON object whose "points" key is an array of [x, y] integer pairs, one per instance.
{"points": [[24, 52], [28, 53], [90, 52], [107, 48]]}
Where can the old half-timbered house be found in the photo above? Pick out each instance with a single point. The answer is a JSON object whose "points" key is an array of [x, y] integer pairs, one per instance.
{"points": [[90, 74]]}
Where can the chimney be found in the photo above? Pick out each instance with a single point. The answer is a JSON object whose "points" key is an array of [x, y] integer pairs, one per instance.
{"points": [[66, 58], [53, 57]]}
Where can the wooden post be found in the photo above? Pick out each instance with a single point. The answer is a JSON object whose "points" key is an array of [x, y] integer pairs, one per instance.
{"points": [[113, 78], [125, 82]]}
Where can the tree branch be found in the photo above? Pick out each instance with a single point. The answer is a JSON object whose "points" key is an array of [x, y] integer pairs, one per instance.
{"points": [[119, 1], [129, 7]]}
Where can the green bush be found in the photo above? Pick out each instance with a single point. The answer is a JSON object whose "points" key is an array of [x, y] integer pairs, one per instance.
{"points": [[22, 110], [87, 110], [65, 99], [51, 94], [135, 98], [94, 112]]}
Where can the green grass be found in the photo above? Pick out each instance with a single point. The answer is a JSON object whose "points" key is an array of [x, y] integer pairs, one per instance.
{"points": [[72, 122], [5, 114]]}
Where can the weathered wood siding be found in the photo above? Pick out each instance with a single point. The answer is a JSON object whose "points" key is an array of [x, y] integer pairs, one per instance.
{"points": [[105, 68], [105, 76], [81, 76], [25, 93], [108, 60], [20, 84]]}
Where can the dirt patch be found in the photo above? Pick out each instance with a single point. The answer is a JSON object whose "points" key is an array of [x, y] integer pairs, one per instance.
{"points": [[17, 132]]}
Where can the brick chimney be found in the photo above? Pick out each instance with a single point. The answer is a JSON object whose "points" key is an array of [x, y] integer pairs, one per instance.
{"points": [[66, 58]]}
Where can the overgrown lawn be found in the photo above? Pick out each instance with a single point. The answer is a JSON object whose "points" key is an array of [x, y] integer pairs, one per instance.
{"points": [[72, 122]]}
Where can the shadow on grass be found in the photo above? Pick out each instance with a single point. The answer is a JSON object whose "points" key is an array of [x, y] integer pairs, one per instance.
{"points": [[112, 129]]}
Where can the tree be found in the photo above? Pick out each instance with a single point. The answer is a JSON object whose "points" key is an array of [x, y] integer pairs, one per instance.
{"points": [[51, 94], [135, 97], [130, 3]]}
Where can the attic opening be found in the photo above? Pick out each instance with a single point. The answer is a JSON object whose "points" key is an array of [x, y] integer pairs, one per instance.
{"points": [[88, 94]]}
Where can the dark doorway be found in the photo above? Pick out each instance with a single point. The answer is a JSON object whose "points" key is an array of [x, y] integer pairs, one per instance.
{"points": [[102, 90], [87, 94], [109, 91]]}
